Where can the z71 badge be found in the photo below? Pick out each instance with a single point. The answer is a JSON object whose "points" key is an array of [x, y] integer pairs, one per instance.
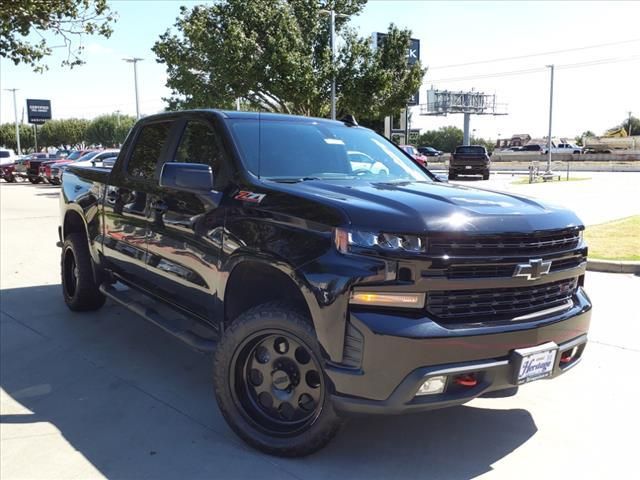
{"points": [[249, 196]]}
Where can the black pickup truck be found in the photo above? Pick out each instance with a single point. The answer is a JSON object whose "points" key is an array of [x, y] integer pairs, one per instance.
{"points": [[470, 160], [323, 285]]}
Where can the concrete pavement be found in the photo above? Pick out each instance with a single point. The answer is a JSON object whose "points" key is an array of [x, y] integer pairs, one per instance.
{"points": [[108, 395]]}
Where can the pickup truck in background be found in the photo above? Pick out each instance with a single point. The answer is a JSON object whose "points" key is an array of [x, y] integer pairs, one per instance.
{"points": [[564, 148], [469, 160], [327, 273]]}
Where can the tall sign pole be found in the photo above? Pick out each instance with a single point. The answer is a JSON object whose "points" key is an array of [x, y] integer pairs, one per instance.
{"points": [[15, 115], [135, 61], [550, 120]]}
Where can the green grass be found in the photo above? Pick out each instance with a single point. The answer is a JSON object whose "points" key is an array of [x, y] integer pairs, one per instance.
{"points": [[525, 180], [617, 240]]}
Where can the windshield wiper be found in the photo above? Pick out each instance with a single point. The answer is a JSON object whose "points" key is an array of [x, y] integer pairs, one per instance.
{"points": [[292, 179]]}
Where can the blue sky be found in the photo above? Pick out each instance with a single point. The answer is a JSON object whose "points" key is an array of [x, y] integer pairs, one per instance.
{"points": [[593, 97]]}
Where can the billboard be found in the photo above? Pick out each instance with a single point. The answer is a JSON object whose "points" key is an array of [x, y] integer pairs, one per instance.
{"points": [[38, 111], [412, 56]]}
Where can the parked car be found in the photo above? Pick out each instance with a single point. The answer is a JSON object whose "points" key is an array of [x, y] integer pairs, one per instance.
{"points": [[429, 151], [470, 160], [415, 154], [7, 156], [321, 290], [46, 168], [532, 148], [565, 148], [92, 156], [7, 164], [30, 167], [7, 172]]}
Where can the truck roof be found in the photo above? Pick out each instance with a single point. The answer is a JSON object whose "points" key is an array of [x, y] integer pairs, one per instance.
{"points": [[235, 114]]}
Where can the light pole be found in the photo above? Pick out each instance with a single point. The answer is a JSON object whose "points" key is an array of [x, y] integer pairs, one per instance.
{"points": [[135, 61], [332, 38], [629, 129], [550, 121], [15, 115]]}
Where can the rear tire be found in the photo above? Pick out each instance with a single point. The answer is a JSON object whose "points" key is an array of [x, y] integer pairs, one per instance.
{"points": [[270, 382], [35, 180], [79, 288]]}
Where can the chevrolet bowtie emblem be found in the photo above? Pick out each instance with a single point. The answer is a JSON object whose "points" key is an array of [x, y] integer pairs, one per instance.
{"points": [[533, 270]]}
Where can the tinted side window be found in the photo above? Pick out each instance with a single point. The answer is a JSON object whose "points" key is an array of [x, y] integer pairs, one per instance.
{"points": [[147, 150], [200, 144]]}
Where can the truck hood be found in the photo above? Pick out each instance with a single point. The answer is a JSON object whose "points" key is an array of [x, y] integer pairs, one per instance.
{"points": [[416, 207]]}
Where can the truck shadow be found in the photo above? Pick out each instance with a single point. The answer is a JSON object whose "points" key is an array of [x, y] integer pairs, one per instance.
{"points": [[136, 403]]}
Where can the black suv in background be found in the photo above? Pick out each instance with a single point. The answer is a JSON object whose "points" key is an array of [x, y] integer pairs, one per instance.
{"points": [[328, 273], [470, 160]]}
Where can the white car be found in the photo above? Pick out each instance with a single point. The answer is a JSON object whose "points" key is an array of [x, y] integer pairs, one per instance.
{"points": [[7, 156]]}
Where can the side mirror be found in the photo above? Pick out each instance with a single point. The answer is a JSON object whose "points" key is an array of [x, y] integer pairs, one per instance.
{"points": [[188, 177], [442, 178]]}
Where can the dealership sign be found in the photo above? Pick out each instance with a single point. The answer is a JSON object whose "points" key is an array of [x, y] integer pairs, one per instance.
{"points": [[412, 56], [38, 111]]}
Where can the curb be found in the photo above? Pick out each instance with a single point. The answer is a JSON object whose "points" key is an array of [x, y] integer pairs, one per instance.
{"points": [[612, 266]]}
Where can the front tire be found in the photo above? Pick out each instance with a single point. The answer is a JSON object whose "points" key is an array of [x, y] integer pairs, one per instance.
{"points": [[270, 382], [485, 175], [452, 175], [79, 288]]}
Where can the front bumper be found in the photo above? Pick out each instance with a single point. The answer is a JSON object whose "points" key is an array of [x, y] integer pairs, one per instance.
{"points": [[398, 354]]}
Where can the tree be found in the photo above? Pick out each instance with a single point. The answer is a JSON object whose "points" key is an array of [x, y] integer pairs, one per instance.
{"points": [[66, 20], [579, 138], [8, 136], [109, 130], [71, 131], [445, 138], [276, 57]]}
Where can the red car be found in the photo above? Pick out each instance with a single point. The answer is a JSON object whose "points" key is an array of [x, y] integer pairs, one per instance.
{"points": [[415, 154], [45, 167]]}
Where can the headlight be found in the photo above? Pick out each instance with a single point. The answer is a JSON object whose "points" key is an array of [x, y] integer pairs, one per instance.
{"points": [[390, 242]]}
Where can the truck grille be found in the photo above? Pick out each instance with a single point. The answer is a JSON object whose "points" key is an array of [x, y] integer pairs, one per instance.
{"points": [[504, 270], [479, 305], [483, 245]]}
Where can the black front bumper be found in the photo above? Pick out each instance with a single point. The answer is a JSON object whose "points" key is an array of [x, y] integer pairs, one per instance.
{"points": [[397, 357]]}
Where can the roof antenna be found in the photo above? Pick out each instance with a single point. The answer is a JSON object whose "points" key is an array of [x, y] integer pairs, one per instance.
{"points": [[350, 120]]}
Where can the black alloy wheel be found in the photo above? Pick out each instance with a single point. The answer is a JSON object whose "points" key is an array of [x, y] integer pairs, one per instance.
{"points": [[277, 382], [270, 383], [70, 273]]}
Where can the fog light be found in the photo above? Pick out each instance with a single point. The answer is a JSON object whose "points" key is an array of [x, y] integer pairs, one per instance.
{"points": [[433, 385]]}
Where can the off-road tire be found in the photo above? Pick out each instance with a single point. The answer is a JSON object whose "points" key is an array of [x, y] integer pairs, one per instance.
{"points": [[79, 288], [269, 317]]}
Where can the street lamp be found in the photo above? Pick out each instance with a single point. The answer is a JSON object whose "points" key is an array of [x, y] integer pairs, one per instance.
{"points": [[548, 172], [332, 34], [135, 61], [15, 115]]}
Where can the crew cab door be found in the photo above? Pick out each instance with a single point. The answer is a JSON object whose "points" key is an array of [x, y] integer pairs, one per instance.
{"points": [[185, 227], [127, 204]]}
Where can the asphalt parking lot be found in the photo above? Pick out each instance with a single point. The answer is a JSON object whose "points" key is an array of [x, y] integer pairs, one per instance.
{"points": [[108, 395]]}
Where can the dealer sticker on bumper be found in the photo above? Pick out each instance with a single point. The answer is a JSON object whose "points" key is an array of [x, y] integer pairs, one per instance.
{"points": [[534, 363]]}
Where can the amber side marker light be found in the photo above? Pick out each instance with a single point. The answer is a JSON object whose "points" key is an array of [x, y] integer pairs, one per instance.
{"points": [[404, 300]]}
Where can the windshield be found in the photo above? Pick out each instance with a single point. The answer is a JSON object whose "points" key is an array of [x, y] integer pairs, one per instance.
{"points": [[88, 156], [470, 150], [289, 150]]}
